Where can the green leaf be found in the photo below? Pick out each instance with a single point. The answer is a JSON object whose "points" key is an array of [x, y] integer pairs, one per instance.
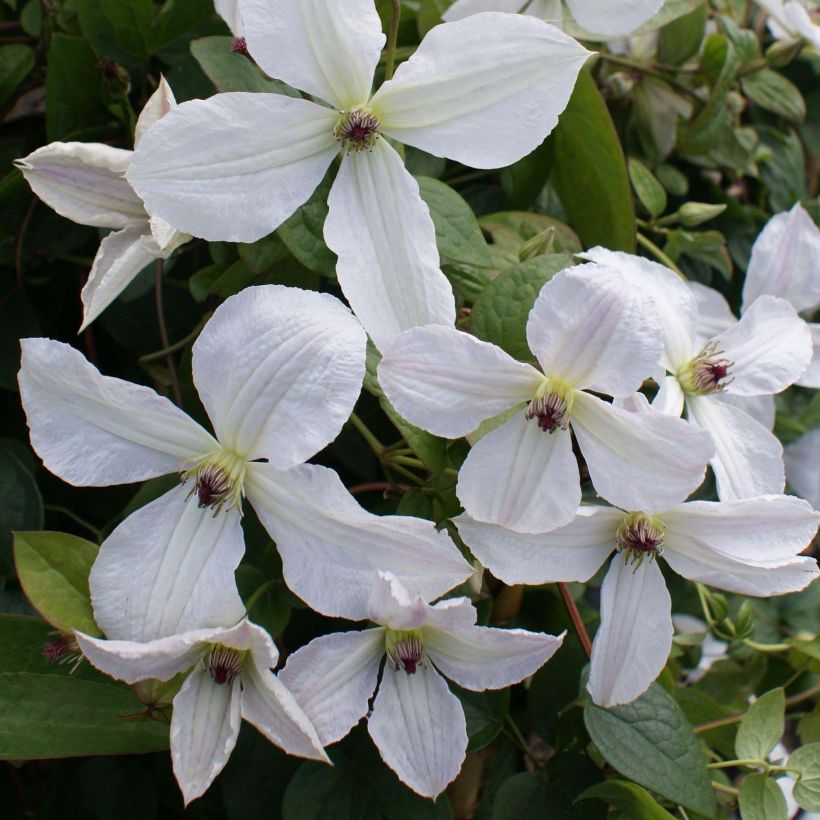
{"points": [[429, 448], [782, 170], [760, 798], [651, 742], [510, 232], [485, 713], [806, 760], [524, 180], [16, 61], [21, 507], [650, 192], [708, 247], [775, 93], [118, 30], [681, 39], [521, 797], [500, 313], [46, 712], [762, 727], [636, 803], [303, 232], [429, 14], [590, 168], [53, 569]]}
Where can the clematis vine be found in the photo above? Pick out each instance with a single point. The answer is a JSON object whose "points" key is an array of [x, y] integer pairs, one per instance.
{"points": [[610, 18], [234, 167], [749, 546], [228, 679], [589, 333], [763, 354], [85, 182], [278, 371], [417, 723], [789, 19]]}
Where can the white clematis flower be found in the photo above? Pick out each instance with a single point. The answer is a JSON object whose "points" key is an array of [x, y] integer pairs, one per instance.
{"points": [[761, 355], [417, 723], [610, 18], [230, 679], [484, 92], [589, 333], [228, 10], [803, 466], [278, 370], [791, 19], [749, 547], [85, 182]]}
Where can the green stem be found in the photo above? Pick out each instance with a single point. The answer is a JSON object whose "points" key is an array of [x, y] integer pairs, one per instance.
{"points": [[257, 594], [163, 334], [516, 734], [174, 348], [731, 764], [97, 533], [397, 468], [659, 254], [393, 34], [767, 647], [652, 72], [375, 445], [725, 789], [704, 605]]}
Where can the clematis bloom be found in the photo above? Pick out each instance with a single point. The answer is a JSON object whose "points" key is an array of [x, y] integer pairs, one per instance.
{"points": [[235, 166], [417, 723], [792, 19], [802, 459]]}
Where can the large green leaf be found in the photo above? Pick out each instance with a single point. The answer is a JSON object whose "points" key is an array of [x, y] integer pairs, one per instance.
{"points": [[636, 803], [590, 174], [762, 727], [46, 712], [16, 61], [651, 742], [21, 506], [806, 761], [760, 798], [118, 30]]}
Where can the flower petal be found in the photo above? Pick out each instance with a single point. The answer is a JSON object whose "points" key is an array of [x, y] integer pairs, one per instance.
{"points": [[770, 347], [228, 10], [811, 378], [469, 77], [465, 8], [748, 459], [84, 182], [391, 605], [204, 729], [522, 478], [169, 567], [159, 104], [802, 457], [639, 461], [419, 729], [279, 370], [93, 430], [714, 314], [333, 678], [381, 230], [784, 261], [635, 635], [670, 398], [589, 331], [331, 548], [574, 552], [235, 166], [613, 19], [760, 408], [330, 51], [448, 382]]}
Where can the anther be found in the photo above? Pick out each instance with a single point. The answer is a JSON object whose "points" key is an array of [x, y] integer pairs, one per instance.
{"points": [[223, 663], [640, 537], [357, 130]]}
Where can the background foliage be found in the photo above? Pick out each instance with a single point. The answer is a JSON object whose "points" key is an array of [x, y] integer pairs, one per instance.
{"points": [[682, 144]]}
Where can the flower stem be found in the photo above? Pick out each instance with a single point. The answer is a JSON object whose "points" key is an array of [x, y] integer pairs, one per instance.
{"points": [[364, 431], [257, 594], [174, 348], [97, 533], [163, 334], [390, 65], [575, 617], [725, 789], [659, 254]]}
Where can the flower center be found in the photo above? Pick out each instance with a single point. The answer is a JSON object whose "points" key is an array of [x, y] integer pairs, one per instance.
{"points": [[239, 45], [223, 663], [405, 650], [357, 130], [63, 649], [640, 537], [707, 373], [218, 479], [551, 405]]}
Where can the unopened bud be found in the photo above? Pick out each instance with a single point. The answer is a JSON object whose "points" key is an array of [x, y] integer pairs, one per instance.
{"points": [[744, 621], [541, 243], [782, 52], [115, 78], [620, 83], [695, 213], [719, 606]]}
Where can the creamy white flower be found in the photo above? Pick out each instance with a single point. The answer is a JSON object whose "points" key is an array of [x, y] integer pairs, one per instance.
{"points": [[229, 679], [803, 466], [85, 182], [228, 10], [484, 91], [589, 333], [417, 723], [278, 370], [612, 18], [791, 19], [750, 547], [753, 359]]}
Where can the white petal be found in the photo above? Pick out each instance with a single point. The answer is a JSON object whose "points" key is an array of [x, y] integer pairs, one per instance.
{"points": [[331, 548], [481, 657], [328, 50], [613, 18], [279, 370], [166, 235], [465, 8], [674, 303], [448, 382], [635, 635], [770, 347], [228, 10], [588, 329], [799, 20], [748, 459], [168, 568], [204, 729], [811, 378], [572, 553], [419, 728], [333, 678], [760, 408], [802, 459], [391, 605], [784, 261], [159, 104], [84, 182], [95, 430], [639, 461], [381, 230], [483, 91], [670, 398], [750, 547], [520, 477], [122, 255], [235, 166], [714, 314]]}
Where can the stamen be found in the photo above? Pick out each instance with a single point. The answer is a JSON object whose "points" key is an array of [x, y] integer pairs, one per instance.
{"points": [[64, 649], [707, 373], [552, 406], [405, 650], [218, 480], [239, 45], [640, 537], [357, 130], [223, 663]]}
